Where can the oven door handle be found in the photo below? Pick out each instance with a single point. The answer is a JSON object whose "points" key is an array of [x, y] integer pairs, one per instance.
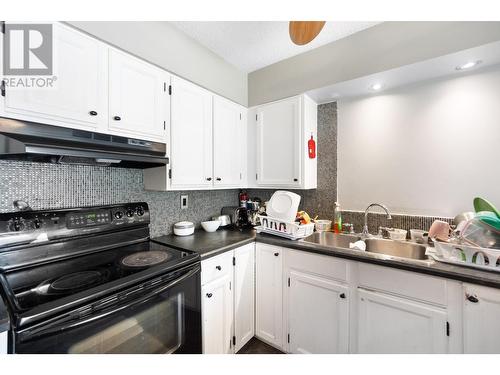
{"points": [[59, 325]]}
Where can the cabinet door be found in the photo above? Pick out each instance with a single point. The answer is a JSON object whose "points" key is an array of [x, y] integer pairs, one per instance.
{"points": [[481, 319], [217, 315], [244, 295], [269, 289], [138, 97], [228, 134], [79, 96], [278, 143], [3, 342], [318, 315], [190, 136], [393, 325]]}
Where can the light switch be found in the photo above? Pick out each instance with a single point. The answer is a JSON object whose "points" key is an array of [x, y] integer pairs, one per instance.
{"points": [[184, 202]]}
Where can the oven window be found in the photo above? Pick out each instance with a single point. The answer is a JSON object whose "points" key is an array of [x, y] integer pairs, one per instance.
{"points": [[153, 329]]}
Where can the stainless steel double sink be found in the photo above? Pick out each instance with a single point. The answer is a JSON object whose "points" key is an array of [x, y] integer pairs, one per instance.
{"points": [[401, 249]]}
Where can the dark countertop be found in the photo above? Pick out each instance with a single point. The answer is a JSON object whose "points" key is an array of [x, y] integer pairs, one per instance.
{"points": [[211, 244]]}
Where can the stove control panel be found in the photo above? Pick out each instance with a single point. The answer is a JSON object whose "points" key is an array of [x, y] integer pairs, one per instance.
{"points": [[88, 218], [40, 226]]}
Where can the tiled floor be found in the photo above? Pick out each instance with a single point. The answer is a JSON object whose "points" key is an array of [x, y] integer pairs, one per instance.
{"points": [[255, 346]]}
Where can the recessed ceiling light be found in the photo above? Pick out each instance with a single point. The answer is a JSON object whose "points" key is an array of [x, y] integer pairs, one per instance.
{"points": [[376, 86], [468, 65]]}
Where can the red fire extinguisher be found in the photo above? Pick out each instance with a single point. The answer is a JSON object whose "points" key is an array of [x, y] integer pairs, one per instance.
{"points": [[311, 146]]}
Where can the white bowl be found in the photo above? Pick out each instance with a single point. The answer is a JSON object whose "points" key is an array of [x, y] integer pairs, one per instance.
{"points": [[210, 226]]}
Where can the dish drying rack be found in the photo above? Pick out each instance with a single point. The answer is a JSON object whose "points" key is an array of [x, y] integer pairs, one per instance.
{"points": [[290, 230], [466, 255]]}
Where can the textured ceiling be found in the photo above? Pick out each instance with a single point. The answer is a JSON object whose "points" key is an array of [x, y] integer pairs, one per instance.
{"points": [[251, 45]]}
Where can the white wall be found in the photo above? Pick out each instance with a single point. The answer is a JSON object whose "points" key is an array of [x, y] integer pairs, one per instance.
{"points": [[426, 149], [164, 45]]}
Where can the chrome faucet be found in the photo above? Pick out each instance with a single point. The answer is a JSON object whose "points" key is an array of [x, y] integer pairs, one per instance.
{"points": [[365, 233]]}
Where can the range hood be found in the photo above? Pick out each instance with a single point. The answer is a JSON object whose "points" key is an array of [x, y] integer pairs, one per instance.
{"points": [[29, 141]]}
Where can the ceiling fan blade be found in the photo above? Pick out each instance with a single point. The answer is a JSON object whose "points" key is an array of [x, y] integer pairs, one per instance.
{"points": [[303, 32]]}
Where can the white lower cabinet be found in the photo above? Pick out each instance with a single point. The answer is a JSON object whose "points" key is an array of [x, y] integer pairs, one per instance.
{"points": [[227, 295], [3, 342], [389, 324], [269, 294], [217, 315], [318, 314], [244, 295], [481, 319]]}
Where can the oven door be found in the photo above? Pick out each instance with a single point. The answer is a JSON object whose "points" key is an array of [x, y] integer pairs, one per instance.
{"points": [[159, 316]]}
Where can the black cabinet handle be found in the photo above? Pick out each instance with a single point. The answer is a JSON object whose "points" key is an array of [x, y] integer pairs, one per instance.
{"points": [[276, 254], [93, 113], [209, 178], [209, 295], [342, 295], [218, 267], [219, 179], [117, 118], [472, 298], [295, 179]]}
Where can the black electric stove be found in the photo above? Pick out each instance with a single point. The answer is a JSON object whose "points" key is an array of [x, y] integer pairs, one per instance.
{"points": [[90, 280]]}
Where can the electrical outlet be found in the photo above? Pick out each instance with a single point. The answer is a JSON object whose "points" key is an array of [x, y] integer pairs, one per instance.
{"points": [[184, 202]]}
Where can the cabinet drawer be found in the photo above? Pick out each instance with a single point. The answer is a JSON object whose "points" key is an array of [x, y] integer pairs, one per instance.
{"points": [[215, 267], [323, 265], [409, 284]]}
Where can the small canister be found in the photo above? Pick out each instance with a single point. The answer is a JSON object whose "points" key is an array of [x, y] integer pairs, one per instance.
{"points": [[183, 228]]}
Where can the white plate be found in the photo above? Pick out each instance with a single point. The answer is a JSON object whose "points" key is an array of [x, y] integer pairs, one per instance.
{"points": [[283, 205]]}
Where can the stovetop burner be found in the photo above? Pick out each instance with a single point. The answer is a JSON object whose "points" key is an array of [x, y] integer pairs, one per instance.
{"points": [[145, 258], [77, 281]]}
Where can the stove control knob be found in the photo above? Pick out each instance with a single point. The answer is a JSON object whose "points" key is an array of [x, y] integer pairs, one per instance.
{"points": [[16, 225], [118, 214], [130, 212], [139, 211], [37, 223]]}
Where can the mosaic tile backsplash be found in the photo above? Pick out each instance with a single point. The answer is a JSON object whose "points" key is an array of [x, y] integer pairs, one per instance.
{"points": [[47, 186]]}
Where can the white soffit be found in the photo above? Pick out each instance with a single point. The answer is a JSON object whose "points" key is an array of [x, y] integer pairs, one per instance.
{"points": [[439, 67]]}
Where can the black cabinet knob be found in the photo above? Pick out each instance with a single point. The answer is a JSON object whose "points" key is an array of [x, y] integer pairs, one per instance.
{"points": [[342, 295], [472, 298], [295, 179], [117, 118], [209, 295], [219, 179], [93, 113], [276, 254], [209, 178], [218, 268]]}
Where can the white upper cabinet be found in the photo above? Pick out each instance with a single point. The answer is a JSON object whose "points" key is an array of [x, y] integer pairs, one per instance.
{"points": [[481, 319], [79, 97], [282, 130], [228, 134], [190, 136], [138, 97], [394, 325], [207, 142]]}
